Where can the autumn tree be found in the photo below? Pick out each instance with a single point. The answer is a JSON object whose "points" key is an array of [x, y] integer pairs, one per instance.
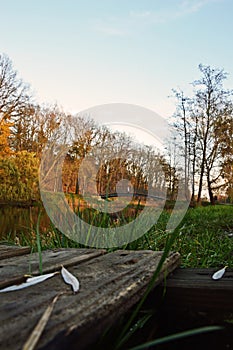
{"points": [[86, 135], [19, 177], [5, 132], [14, 96], [225, 132]]}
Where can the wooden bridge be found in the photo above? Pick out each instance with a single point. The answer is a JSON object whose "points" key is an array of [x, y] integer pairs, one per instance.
{"points": [[129, 194]]}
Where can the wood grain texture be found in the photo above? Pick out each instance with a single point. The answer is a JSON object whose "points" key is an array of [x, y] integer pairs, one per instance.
{"points": [[194, 292], [200, 278], [11, 251], [13, 269], [109, 285]]}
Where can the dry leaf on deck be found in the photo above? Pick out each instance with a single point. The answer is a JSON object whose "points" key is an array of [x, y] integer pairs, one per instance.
{"points": [[35, 335], [30, 281], [70, 279]]}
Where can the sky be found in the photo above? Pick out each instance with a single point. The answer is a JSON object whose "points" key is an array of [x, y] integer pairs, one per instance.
{"points": [[85, 53]]}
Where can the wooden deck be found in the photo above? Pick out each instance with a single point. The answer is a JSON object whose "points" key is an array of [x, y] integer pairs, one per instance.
{"points": [[193, 291], [110, 284], [192, 300]]}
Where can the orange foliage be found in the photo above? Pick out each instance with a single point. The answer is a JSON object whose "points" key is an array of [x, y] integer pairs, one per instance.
{"points": [[5, 133]]}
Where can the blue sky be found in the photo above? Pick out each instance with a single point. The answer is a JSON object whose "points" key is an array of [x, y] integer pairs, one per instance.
{"points": [[85, 53]]}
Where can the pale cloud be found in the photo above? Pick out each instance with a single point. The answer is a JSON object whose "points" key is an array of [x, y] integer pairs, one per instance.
{"points": [[143, 14], [178, 10], [108, 30], [192, 6], [111, 26], [126, 25]]}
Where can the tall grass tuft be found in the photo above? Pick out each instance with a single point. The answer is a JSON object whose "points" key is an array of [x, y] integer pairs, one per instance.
{"points": [[38, 242]]}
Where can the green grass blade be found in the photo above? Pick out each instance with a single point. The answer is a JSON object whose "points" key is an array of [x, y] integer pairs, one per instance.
{"points": [[139, 324], [38, 242], [176, 336], [169, 243]]}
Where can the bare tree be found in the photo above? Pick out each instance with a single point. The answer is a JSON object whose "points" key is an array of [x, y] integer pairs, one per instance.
{"points": [[14, 96], [14, 93], [184, 126], [200, 121], [212, 102]]}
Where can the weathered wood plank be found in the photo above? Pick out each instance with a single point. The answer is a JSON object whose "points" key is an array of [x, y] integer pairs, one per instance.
{"points": [[200, 278], [11, 251], [193, 291], [110, 285], [12, 270], [194, 300]]}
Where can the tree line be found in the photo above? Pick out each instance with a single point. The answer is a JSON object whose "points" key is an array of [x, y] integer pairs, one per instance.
{"points": [[26, 128], [202, 143]]}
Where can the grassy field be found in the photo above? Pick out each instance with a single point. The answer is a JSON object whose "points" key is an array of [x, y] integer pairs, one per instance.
{"points": [[204, 238]]}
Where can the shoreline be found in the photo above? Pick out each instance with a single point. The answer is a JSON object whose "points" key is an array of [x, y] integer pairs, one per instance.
{"points": [[21, 204]]}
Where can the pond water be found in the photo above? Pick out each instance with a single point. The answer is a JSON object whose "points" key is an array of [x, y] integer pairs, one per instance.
{"points": [[17, 221], [20, 220]]}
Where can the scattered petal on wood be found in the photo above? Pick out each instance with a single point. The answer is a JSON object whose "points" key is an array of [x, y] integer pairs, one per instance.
{"points": [[36, 333], [217, 275], [70, 279], [30, 281], [41, 278]]}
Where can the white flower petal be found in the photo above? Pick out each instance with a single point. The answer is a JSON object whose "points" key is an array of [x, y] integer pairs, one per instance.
{"points": [[29, 282], [70, 279], [217, 275]]}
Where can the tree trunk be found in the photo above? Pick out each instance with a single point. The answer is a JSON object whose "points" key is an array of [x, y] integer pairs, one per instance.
{"points": [[201, 179], [77, 186], [211, 195]]}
